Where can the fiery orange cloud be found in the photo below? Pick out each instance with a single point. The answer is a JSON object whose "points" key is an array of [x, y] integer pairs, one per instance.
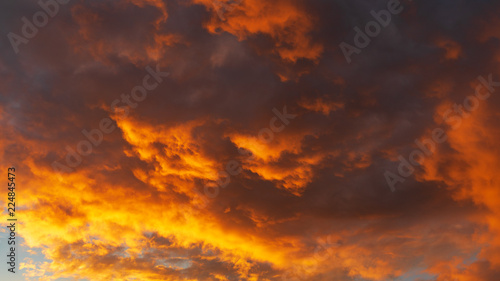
{"points": [[284, 21], [470, 171], [87, 217]]}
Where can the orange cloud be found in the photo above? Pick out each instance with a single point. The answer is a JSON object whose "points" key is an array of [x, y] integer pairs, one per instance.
{"points": [[452, 49], [470, 170], [319, 105], [285, 22], [149, 40]]}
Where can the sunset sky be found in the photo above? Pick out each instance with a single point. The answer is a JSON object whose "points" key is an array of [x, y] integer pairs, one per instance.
{"points": [[294, 140]]}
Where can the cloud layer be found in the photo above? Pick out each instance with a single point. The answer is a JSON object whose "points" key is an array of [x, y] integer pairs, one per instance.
{"points": [[206, 178]]}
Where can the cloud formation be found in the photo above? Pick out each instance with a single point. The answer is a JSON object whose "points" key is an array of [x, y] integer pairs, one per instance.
{"points": [[309, 200]]}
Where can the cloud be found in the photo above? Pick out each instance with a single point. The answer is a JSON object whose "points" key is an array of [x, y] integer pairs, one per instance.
{"points": [[285, 22], [310, 202]]}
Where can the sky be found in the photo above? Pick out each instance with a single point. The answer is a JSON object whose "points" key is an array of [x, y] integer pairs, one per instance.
{"points": [[251, 140]]}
